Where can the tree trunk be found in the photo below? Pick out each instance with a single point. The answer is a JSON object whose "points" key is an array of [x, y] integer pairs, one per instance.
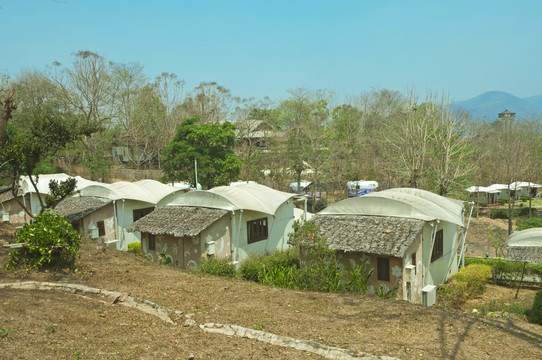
{"points": [[8, 106]]}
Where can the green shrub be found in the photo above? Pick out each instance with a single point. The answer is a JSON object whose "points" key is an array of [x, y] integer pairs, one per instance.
{"points": [[252, 267], [524, 198], [467, 283], [218, 267], [474, 275], [535, 314], [522, 211], [322, 276], [502, 201], [528, 223], [51, 242], [164, 259], [135, 248]]}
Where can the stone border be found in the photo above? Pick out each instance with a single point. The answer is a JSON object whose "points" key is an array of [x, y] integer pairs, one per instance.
{"points": [[146, 306]]}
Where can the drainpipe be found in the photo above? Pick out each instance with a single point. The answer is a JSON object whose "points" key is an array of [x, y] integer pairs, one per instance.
{"points": [[115, 214], [122, 232], [238, 233], [231, 237]]}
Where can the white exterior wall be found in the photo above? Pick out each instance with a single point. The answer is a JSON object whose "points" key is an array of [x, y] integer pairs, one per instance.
{"points": [[35, 206], [89, 222], [125, 217], [278, 227], [445, 266]]}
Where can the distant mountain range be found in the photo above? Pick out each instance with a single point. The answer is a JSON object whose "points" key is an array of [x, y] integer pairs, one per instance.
{"points": [[487, 106]]}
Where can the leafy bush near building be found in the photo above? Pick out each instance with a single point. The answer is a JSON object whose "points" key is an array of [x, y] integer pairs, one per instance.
{"points": [[50, 241], [253, 266], [218, 267], [135, 248], [467, 283]]}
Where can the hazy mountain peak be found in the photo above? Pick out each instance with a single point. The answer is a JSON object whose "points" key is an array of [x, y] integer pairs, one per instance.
{"points": [[487, 106]]}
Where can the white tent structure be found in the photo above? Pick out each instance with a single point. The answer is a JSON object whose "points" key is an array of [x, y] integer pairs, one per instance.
{"points": [[525, 246]]}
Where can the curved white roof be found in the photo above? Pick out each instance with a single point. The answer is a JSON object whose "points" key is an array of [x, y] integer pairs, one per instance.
{"points": [[528, 237], [244, 196], [402, 202], [150, 191], [44, 179], [523, 184]]}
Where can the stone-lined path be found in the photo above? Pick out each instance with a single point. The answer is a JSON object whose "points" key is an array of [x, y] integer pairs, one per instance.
{"points": [[165, 314]]}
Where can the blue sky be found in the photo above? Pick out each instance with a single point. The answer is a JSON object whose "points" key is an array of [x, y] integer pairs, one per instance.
{"points": [[263, 48]]}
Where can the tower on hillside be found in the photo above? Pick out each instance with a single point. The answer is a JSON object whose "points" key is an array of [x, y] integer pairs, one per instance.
{"points": [[507, 115]]}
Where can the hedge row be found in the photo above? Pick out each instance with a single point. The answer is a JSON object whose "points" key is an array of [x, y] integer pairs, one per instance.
{"points": [[503, 271], [502, 213]]}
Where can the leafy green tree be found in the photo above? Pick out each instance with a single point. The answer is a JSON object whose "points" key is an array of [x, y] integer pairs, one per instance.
{"points": [[303, 117], [49, 131], [211, 145]]}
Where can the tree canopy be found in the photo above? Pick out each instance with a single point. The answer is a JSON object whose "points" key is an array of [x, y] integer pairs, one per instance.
{"points": [[211, 145]]}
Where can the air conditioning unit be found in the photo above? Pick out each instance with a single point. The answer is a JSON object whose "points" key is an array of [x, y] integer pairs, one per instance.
{"points": [[429, 295]]}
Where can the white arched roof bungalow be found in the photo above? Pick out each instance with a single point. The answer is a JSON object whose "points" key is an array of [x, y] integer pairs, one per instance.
{"points": [[226, 221], [29, 197], [411, 237], [129, 202]]}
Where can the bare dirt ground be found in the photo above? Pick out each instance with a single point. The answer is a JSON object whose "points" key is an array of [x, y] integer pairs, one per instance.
{"points": [[478, 242], [88, 328]]}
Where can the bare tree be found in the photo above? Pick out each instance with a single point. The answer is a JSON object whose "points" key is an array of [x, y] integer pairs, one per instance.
{"points": [[453, 161], [87, 89]]}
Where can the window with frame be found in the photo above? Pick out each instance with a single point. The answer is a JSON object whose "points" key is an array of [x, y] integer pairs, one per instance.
{"points": [[438, 246], [101, 228], [139, 213], [256, 230], [152, 243], [414, 262], [383, 269]]}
